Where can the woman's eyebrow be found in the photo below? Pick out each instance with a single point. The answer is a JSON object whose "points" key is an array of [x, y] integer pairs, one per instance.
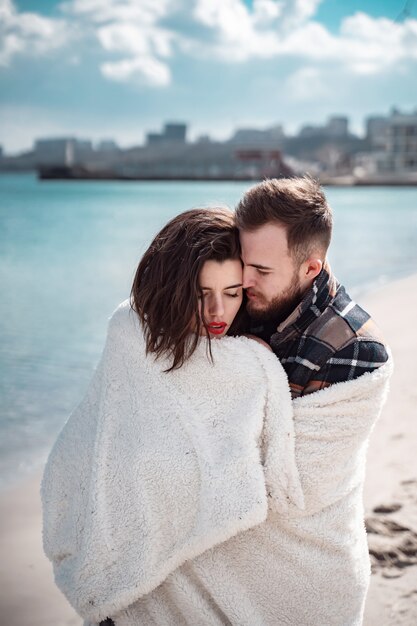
{"points": [[229, 287]]}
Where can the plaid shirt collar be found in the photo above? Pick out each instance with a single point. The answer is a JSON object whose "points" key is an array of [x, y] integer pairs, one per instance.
{"points": [[313, 304]]}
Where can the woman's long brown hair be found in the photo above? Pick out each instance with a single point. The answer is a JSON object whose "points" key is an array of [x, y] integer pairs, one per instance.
{"points": [[165, 289]]}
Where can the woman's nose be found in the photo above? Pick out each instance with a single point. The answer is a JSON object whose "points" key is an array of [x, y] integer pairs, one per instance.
{"points": [[216, 306]]}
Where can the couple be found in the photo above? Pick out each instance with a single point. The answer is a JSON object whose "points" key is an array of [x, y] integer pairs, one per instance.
{"points": [[212, 482]]}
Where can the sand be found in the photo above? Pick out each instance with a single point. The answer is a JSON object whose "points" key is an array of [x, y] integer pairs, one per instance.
{"points": [[28, 596], [391, 485]]}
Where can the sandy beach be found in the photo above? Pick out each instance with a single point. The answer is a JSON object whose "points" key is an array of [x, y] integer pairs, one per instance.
{"points": [[28, 596], [391, 484]]}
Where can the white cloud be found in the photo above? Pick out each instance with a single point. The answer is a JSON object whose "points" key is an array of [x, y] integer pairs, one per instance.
{"points": [[266, 10], [100, 11], [140, 38], [141, 69], [239, 34], [364, 45], [234, 36], [129, 28], [10, 46], [28, 33], [122, 27], [294, 13], [135, 40], [375, 45], [307, 84]]}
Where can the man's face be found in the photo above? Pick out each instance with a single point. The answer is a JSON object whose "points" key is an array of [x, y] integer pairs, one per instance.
{"points": [[270, 275]]}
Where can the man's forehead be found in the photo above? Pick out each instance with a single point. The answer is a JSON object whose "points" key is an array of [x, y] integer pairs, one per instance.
{"points": [[269, 239], [271, 229], [265, 248]]}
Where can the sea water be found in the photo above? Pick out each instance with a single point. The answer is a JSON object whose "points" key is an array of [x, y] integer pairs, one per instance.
{"points": [[68, 253]]}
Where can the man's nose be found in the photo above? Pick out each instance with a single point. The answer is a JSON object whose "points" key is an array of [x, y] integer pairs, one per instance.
{"points": [[248, 278]]}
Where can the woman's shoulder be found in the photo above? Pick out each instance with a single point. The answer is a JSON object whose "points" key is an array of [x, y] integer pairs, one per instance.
{"points": [[250, 349], [244, 342], [121, 311], [123, 314], [124, 321], [259, 340], [239, 365]]}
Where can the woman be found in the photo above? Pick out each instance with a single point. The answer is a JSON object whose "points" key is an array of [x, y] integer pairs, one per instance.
{"points": [[172, 495], [162, 459], [195, 259]]}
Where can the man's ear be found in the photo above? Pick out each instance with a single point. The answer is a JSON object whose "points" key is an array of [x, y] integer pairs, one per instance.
{"points": [[311, 269]]}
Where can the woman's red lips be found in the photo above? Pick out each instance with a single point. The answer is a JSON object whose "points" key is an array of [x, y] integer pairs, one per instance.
{"points": [[216, 328]]}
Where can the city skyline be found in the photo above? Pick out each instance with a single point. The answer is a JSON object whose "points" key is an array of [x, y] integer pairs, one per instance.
{"points": [[119, 68], [275, 132]]}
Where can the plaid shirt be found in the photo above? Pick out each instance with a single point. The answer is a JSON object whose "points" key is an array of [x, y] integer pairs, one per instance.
{"points": [[327, 339]]}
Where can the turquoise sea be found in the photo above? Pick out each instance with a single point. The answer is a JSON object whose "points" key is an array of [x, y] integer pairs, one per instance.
{"points": [[68, 252]]}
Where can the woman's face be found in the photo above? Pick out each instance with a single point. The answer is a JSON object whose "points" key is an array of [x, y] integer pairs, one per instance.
{"points": [[221, 285]]}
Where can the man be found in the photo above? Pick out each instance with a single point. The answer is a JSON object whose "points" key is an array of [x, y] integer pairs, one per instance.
{"points": [[321, 337], [295, 303]]}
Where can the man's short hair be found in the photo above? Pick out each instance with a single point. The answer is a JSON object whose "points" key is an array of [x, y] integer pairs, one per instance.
{"points": [[299, 204]]}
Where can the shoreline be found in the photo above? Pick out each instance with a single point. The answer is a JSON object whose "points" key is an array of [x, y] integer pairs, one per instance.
{"points": [[29, 596], [343, 181]]}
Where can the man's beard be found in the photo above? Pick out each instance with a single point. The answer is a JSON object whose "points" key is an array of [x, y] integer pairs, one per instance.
{"points": [[280, 307]]}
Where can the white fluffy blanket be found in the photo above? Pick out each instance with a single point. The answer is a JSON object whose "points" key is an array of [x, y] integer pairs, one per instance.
{"points": [[155, 477]]}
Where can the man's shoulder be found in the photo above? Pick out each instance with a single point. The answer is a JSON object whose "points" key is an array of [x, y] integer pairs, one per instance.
{"points": [[342, 343], [334, 340], [345, 323]]}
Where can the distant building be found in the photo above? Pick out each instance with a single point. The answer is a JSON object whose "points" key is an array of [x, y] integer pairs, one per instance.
{"points": [[203, 139], [207, 160], [393, 140], [277, 131], [369, 164], [62, 151], [337, 126], [402, 141], [262, 163], [175, 132], [83, 150], [153, 139], [107, 145], [258, 137], [377, 131], [172, 133], [311, 131], [57, 151], [248, 136]]}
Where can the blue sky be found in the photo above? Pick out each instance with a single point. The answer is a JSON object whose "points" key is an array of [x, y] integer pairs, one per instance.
{"points": [[119, 68]]}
